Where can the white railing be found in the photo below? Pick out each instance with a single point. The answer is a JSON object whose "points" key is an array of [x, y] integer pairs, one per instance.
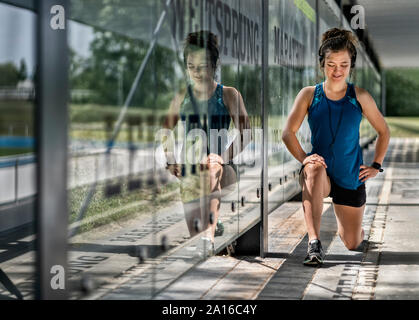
{"points": [[17, 178]]}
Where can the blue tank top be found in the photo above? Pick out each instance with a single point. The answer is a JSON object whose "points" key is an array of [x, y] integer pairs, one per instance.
{"points": [[334, 126], [206, 115]]}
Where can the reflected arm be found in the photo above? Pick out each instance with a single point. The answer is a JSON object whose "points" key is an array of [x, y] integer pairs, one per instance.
{"points": [[169, 123], [234, 102]]}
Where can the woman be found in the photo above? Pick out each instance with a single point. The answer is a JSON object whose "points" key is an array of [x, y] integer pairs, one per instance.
{"points": [[206, 105], [335, 166]]}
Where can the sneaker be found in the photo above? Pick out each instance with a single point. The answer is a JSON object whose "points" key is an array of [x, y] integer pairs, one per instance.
{"points": [[219, 229], [315, 254]]}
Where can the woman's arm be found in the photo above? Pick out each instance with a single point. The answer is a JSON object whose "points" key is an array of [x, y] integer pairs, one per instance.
{"points": [[295, 118], [235, 104], [170, 122], [173, 112], [376, 119]]}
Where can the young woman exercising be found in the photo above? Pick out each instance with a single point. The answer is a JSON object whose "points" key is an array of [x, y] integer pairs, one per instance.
{"points": [[335, 166]]}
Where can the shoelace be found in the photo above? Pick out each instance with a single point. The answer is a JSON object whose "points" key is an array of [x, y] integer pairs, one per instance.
{"points": [[314, 247]]}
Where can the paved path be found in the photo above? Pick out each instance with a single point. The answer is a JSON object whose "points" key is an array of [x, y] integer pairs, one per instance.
{"points": [[387, 267]]}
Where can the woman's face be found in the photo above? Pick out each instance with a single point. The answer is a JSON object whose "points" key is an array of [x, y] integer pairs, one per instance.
{"points": [[337, 66], [199, 67]]}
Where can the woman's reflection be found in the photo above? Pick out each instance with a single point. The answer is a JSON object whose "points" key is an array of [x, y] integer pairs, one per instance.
{"points": [[211, 107]]}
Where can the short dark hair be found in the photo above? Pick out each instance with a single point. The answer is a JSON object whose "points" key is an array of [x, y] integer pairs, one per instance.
{"points": [[202, 40], [336, 39]]}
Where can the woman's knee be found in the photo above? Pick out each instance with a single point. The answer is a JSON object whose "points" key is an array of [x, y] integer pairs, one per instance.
{"points": [[314, 169], [215, 170], [351, 242], [313, 172]]}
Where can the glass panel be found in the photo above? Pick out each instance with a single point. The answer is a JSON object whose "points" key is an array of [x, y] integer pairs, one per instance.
{"points": [[17, 157], [140, 199], [144, 200], [328, 18], [291, 67], [249, 80], [122, 202]]}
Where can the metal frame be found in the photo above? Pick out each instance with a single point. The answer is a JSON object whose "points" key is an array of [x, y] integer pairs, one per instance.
{"points": [[26, 4], [264, 98], [51, 148]]}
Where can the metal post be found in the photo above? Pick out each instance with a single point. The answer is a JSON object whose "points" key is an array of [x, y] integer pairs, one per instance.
{"points": [[264, 98], [16, 179], [383, 93], [317, 39], [51, 149]]}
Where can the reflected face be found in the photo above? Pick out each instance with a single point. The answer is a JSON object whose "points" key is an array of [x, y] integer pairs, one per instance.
{"points": [[199, 67], [337, 65]]}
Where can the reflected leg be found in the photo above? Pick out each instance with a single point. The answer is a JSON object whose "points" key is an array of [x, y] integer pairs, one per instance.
{"points": [[215, 171], [193, 216], [191, 195]]}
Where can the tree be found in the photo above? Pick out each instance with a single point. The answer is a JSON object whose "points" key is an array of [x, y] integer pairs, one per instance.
{"points": [[23, 73], [9, 75], [117, 54], [402, 92]]}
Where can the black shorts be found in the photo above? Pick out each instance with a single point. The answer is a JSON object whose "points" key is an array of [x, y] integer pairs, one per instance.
{"points": [[347, 197]]}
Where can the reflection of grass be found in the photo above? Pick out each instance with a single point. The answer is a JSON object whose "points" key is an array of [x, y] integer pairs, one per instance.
{"points": [[14, 151], [88, 113], [88, 122], [121, 207], [98, 133], [403, 126], [16, 115]]}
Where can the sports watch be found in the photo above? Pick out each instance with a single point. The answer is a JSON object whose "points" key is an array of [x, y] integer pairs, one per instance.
{"points": [[377, 166]]}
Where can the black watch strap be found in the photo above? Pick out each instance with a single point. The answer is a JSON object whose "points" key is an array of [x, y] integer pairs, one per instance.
{"points": [[377, 166]]}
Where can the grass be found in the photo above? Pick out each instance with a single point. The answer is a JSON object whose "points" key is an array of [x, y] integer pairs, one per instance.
{"points": [[97, 132], [17, 116], [123, 206], [14, 151], [403, 126], [88, 113]]}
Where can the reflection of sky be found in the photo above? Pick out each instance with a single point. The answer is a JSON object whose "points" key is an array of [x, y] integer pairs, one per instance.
{"points": [[17, 36], [79, 38]]}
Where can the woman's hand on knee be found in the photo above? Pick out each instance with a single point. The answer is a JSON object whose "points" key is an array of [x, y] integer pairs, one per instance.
{"points": [[313, 159], [214, 160]]}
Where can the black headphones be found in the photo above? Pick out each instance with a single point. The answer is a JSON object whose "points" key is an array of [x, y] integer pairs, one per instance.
{"points": [[322, 57]]}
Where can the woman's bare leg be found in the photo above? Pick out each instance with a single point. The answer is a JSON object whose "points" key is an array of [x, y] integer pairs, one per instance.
{"points": [[215, 171], [349, 220], [315, 186]]}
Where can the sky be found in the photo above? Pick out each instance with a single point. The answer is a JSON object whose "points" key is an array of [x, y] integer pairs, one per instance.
{"points": [[17, 36]]}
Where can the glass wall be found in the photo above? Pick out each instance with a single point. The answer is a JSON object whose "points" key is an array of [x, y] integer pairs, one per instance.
{"points": [[165, 133], [148, 124], [249, 83], [292, 64], [146, 115], [17, 157]]}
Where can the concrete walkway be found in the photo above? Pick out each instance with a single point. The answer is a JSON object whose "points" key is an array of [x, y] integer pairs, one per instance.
{"points": [[387, 267]]}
